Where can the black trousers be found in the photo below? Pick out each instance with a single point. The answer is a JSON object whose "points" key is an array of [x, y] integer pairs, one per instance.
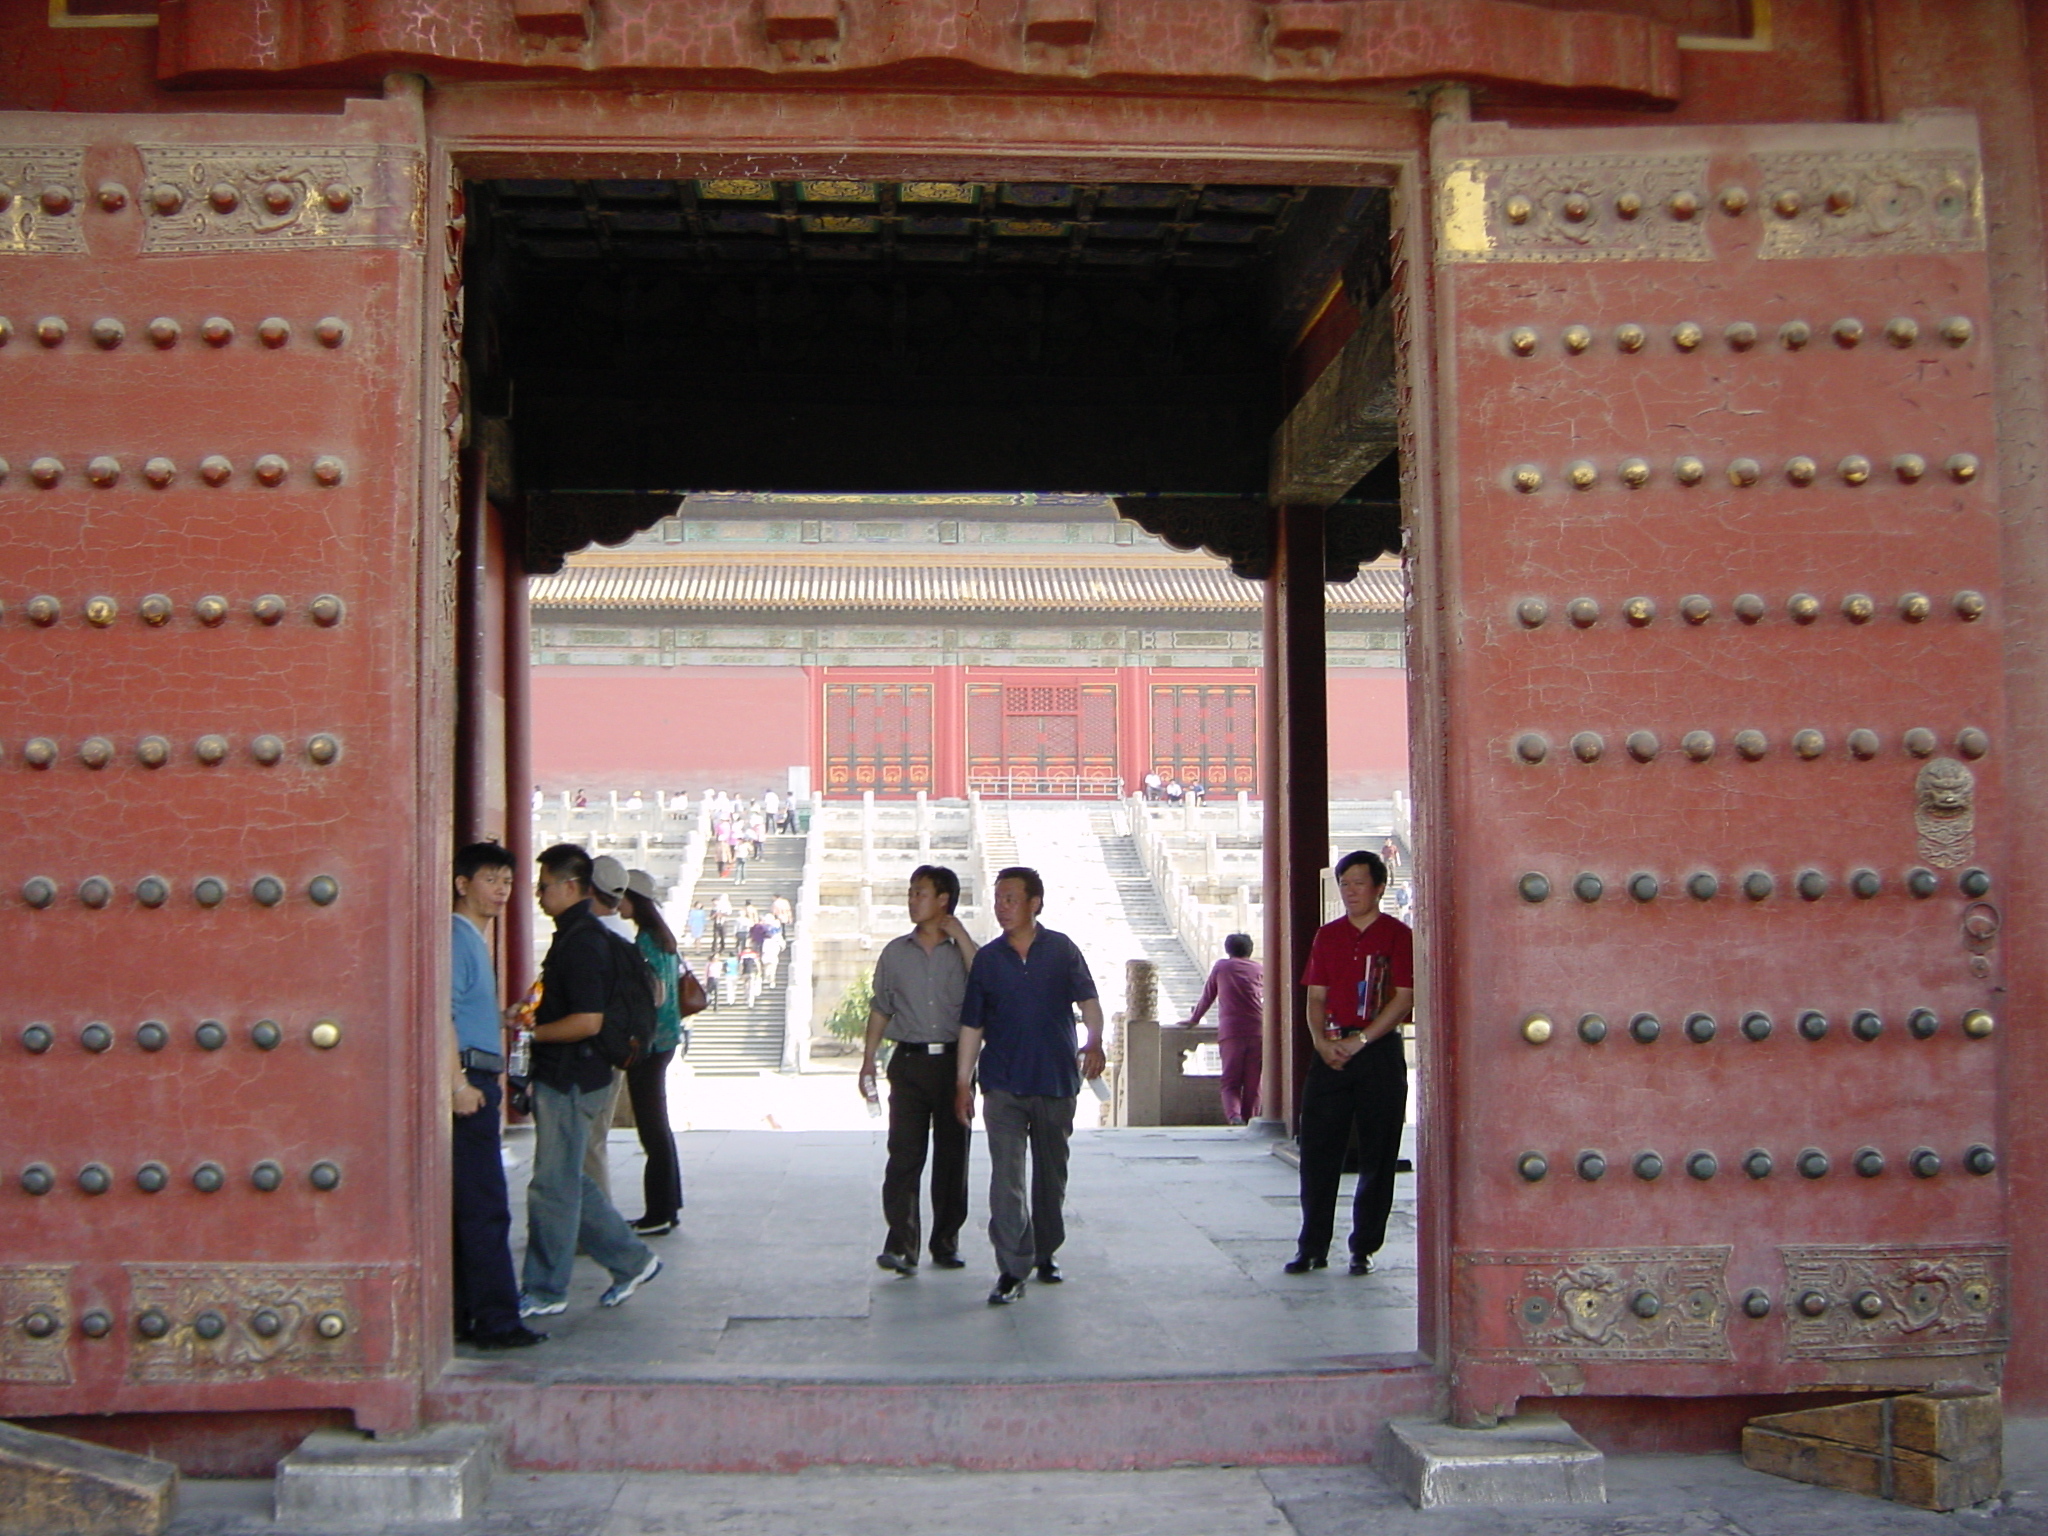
{"points": [[662, 1183], [921, 1098], [1370, 1095], [486, 1294]]}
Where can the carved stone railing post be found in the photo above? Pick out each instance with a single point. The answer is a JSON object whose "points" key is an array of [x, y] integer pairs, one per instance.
{"points": [[1141, 990], [1138, 1081]]}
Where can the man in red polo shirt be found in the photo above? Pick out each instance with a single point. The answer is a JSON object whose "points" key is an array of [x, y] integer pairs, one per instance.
{"points": [[1361, 986]]}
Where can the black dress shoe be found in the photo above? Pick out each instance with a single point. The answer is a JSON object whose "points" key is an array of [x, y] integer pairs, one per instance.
{"points": [[1049, 1273], [1302, 1263], [949, 1261], [1362, 1266], [897, 1262], [1008, 1289], [515, 1337]]}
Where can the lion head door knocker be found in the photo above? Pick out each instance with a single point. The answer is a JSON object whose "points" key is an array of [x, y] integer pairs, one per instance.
{"points": [[1945, 813]]}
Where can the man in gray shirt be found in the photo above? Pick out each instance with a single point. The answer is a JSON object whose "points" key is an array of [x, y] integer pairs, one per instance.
{"points": [[919, 982]]}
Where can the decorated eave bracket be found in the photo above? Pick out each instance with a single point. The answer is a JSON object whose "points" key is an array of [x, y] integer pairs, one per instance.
{"points": [[1236, 529], [1346, 424], [1240, 530], [558, 523]]}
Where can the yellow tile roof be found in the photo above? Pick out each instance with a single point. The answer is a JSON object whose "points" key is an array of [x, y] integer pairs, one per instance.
{"points": [[653, 579]]}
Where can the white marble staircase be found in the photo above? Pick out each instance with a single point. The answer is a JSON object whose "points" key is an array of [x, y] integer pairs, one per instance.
{"points": [[1096, 892]]}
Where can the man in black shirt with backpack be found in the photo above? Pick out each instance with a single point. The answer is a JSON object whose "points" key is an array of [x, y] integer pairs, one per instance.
{"points": [[583, 978]]}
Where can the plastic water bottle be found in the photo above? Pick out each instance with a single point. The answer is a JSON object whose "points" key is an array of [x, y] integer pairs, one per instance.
{"points": [[520, 1063], [873, 1095]]}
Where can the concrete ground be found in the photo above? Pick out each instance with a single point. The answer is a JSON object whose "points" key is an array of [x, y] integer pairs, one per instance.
{"points": [[1647, 1496], [1175, 1246], [1175, 1241]]}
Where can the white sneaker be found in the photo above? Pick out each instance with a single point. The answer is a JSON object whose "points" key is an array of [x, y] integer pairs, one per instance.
{"points": [[528, 1307], [623, 1291]]}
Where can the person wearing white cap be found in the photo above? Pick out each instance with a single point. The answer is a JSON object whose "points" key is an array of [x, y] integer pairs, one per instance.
{"points": [[607, 885]]}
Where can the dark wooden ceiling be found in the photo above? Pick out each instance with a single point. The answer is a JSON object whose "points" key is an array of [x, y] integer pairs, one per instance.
{"points": [[654, 336], [758, 225]]}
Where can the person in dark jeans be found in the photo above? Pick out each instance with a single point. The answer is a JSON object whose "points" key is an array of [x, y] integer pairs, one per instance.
{"points": [[920, 979], [647, 1079], [486, 1294]]}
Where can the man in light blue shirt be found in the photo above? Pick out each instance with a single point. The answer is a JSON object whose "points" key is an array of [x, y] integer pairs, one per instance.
{"points": [[486, 1294]]}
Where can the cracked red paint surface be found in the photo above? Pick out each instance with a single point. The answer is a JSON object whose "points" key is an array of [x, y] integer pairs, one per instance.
{"points": [[1523, 675], [297, 962], [1354, 40]]}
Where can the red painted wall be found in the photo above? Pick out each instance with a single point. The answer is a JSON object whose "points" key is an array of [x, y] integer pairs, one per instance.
{"points": [[745, 727], [740, 728], [1368, 732]]}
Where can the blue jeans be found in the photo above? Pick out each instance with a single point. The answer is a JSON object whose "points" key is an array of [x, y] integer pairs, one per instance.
{"points": [[565, 1209]]}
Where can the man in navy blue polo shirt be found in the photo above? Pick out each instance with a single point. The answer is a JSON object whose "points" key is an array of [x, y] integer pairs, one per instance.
{"points": [[1017, 1025]]}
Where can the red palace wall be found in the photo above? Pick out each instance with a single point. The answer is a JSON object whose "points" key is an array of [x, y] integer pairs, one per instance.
{"points": [[737, 728], [1368, 733], [743, 728]]}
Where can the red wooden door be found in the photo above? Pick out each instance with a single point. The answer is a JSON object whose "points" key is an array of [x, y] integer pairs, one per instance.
{"points": [[1719, 971], [1043, 735], [219, 1004], [1207, 733], [878, 736]]}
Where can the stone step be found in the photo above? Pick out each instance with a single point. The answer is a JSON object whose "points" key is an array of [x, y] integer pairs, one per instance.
{"points": [[1047, 1425], [1535, 1458], [342, 1479]]}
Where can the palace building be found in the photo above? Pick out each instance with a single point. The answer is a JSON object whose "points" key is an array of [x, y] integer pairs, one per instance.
{"points": [[1019, 646]]}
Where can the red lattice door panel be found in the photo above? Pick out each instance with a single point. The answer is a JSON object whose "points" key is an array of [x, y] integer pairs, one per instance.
{"points": [[1045, 737], [1207, 733], [985, 737], [211, 1053], [1041, 738], [1719, 966], [878, 736], [1095, 737]]}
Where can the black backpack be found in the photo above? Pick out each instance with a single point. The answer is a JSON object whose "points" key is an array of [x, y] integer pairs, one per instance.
{"points": [[627, 1035]]}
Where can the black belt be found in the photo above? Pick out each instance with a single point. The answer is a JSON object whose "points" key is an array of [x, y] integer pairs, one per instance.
{"points": [[928, 1047], [482, 1061]]}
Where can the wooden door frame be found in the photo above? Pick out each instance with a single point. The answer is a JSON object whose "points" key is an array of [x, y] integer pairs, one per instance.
{"points": [[885, 133]]}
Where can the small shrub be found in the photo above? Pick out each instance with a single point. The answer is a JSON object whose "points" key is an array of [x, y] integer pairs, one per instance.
{"points": [[849, 1021]]}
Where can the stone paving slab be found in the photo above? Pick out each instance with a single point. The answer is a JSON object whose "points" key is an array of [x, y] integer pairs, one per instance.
{"points": [[1647, 1496], [1176, 1238], [1669, 1496]]}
